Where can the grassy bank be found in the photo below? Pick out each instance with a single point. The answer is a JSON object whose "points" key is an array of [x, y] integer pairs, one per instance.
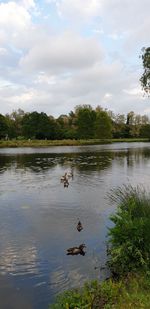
{"points": [[128, 258], [47, 143], [130, 292]]}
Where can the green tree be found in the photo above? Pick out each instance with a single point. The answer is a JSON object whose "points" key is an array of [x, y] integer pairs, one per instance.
{"points": [[15, 122], [145, 131], [3, 126], [39, 126], [119, 126], [145, 78], [85, 121], [103, 125]]}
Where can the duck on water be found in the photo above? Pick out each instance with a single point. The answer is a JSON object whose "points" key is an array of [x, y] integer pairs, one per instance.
{"points": [[76, 250], [79, 226]]}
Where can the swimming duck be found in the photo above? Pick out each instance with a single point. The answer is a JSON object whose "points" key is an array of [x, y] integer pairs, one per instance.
{"points": [[76, 250], [70, 174], [66, 183], [63, 178], [79, 226]]}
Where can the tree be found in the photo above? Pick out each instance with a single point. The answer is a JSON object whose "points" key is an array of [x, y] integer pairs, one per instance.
{"points": [[119, 126], [85, 121], [38, 125], [145, 131], [3, 126], [103, 125], [145, 79], [15, 122]]}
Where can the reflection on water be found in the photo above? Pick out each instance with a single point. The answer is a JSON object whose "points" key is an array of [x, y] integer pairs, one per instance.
{"points": [[38, 216]]}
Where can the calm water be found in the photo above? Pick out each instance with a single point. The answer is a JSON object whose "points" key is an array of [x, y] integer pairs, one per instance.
{"points": [[38, 216]]}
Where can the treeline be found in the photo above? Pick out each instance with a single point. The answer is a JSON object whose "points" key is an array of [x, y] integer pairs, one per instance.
{"points": [[82, 123]]}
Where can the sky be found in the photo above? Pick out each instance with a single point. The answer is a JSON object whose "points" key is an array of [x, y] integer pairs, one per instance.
{"points": [[57, 54]]}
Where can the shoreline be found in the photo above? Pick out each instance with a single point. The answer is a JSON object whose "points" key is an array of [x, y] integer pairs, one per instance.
{"points": [[49, 143]]}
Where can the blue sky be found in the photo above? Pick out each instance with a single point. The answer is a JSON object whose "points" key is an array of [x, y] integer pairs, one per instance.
{"points": [[56, 54]]}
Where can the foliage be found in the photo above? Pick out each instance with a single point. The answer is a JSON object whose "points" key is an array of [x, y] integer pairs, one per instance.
{"points": [[38, 126], [145, 78], [84, 123], [129, 237], [145, 130], [92, 295], [3, 126], [103, 125], [132, 291]]}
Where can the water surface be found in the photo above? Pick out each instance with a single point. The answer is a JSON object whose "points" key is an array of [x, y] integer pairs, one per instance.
{"points": [[38, 216]]}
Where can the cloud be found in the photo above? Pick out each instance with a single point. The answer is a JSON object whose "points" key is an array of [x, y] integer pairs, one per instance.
{"points": [[65, 52], [84, 9], [84, 52], [13, 17], [28, 4], [119, 18]]}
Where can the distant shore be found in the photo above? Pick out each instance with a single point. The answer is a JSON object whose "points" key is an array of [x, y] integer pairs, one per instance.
{"points": [[67, 142]]}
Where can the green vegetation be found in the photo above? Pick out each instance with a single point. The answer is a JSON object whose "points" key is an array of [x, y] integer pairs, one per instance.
{"points": [[67, 142], [129, 238], [145, 79], [130, 292], [84, 123], [128, 259]]}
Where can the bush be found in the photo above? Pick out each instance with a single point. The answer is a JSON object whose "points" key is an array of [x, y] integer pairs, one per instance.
{"points": [[92, 295], [129, 238], [132, 291]]}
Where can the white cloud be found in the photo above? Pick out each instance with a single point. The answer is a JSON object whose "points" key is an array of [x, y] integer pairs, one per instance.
{"points": [[88, 56], [123, 17], [136, 91], [13, 17], [28, 4], [79, 9], [64, 52]]}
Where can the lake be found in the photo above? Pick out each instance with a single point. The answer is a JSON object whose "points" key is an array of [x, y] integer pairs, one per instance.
{"points": [[38, 216]]}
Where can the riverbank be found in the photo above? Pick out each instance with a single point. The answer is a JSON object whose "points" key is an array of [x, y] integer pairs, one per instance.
{"points": [[132, 291], [48, 143]]}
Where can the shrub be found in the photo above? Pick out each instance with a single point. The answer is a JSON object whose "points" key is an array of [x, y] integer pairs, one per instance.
{"points": [[129, 238], [92, 295]]}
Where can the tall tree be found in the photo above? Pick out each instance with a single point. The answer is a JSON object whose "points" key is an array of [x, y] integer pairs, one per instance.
{"points": [[103, 125], [145, 78], [38, 125], [85, 121], [119, 126], [15, 122], [3, 126]]}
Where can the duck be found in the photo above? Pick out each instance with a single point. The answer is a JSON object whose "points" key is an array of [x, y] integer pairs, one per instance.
{"points": [[70, 174], [66, 183], [63, 178], [76, 250], [79, 226]]}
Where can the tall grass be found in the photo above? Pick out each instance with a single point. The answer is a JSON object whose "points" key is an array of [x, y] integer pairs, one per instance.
{"points": [[129, 238], [131, 292]]}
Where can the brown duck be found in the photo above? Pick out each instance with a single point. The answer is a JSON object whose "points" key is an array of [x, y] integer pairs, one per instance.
{"points": [[76, 250], [79, 226]]}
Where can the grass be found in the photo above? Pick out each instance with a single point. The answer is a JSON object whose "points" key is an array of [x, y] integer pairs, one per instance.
{"points": [[132, 291], [47, 143], [129, 238]]}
